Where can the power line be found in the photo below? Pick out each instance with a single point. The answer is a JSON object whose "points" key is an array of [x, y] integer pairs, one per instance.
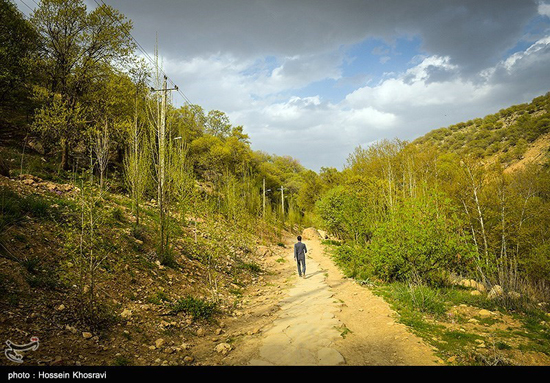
{"points": [[27, 5], [140, 47]]}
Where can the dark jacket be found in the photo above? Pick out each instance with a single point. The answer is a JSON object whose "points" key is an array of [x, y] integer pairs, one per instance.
{"points": [[300, 251]]}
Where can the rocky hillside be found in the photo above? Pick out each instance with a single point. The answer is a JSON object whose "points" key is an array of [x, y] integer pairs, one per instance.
{"points": [[145, 312], [514, 136]]}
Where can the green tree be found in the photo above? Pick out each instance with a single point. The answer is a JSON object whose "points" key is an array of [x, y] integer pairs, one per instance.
{"points": [[76, 47], [18, 48]]}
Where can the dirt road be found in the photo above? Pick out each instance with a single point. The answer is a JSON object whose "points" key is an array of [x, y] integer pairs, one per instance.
{"points": [[324, 319]]}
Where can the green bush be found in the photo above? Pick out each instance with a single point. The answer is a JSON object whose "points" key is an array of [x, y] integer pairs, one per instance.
{"points": [[537, 263], [354, 261], [420, 239], [197, 308]]}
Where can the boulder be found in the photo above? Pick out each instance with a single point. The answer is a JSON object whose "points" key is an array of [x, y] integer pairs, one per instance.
{"points": [[472, 284]]}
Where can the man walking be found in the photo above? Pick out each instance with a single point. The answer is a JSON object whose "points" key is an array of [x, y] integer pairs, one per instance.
{"points": [[300, 251]]}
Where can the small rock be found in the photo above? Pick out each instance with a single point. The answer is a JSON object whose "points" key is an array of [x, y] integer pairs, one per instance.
{"points": [[61, 307], [87, 335], [484, 313], [159, 342], [126, 313], [223, 348], [188, 359], [161, 267]]}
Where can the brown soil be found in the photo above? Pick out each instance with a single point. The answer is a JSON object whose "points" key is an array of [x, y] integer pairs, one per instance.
{"points": [[278, 325]]}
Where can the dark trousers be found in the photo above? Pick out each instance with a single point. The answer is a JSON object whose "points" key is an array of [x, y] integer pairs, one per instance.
{"points": [[301, 262]]}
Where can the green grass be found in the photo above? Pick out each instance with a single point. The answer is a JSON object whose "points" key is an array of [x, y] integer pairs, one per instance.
{"points": [[417, 298], [197, 308], [158, 297], [250, 266], [331, 242], [416, 304], [122, 361], [344, 331], [117, 214]]}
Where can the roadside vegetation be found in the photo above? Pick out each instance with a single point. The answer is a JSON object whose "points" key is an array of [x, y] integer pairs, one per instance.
{"points": [[126, 216], [434, 229]]}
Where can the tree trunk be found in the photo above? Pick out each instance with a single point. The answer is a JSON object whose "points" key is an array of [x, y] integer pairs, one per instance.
{"points": [[64, 154]]}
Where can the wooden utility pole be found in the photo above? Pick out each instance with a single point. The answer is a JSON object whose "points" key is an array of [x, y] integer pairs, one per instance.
{"points": [[161, 158], [283, 200]]}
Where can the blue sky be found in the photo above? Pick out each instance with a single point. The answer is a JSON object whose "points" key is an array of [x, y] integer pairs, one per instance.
{"points": [[316, 78]]}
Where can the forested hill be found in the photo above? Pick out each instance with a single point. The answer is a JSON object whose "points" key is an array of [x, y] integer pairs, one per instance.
{"points": [[514, 136]]}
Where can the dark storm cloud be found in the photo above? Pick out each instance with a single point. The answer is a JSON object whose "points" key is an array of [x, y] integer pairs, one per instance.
{"points": [[473, 33]]}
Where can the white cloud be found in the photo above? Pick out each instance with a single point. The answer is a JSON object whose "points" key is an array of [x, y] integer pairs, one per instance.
{"points": [[405, 105], [260, 93], [544, 9]]}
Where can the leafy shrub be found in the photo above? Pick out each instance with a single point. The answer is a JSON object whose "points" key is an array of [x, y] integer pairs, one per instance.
{"points": [[537, 263], [354, 261], [420, 239]]}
